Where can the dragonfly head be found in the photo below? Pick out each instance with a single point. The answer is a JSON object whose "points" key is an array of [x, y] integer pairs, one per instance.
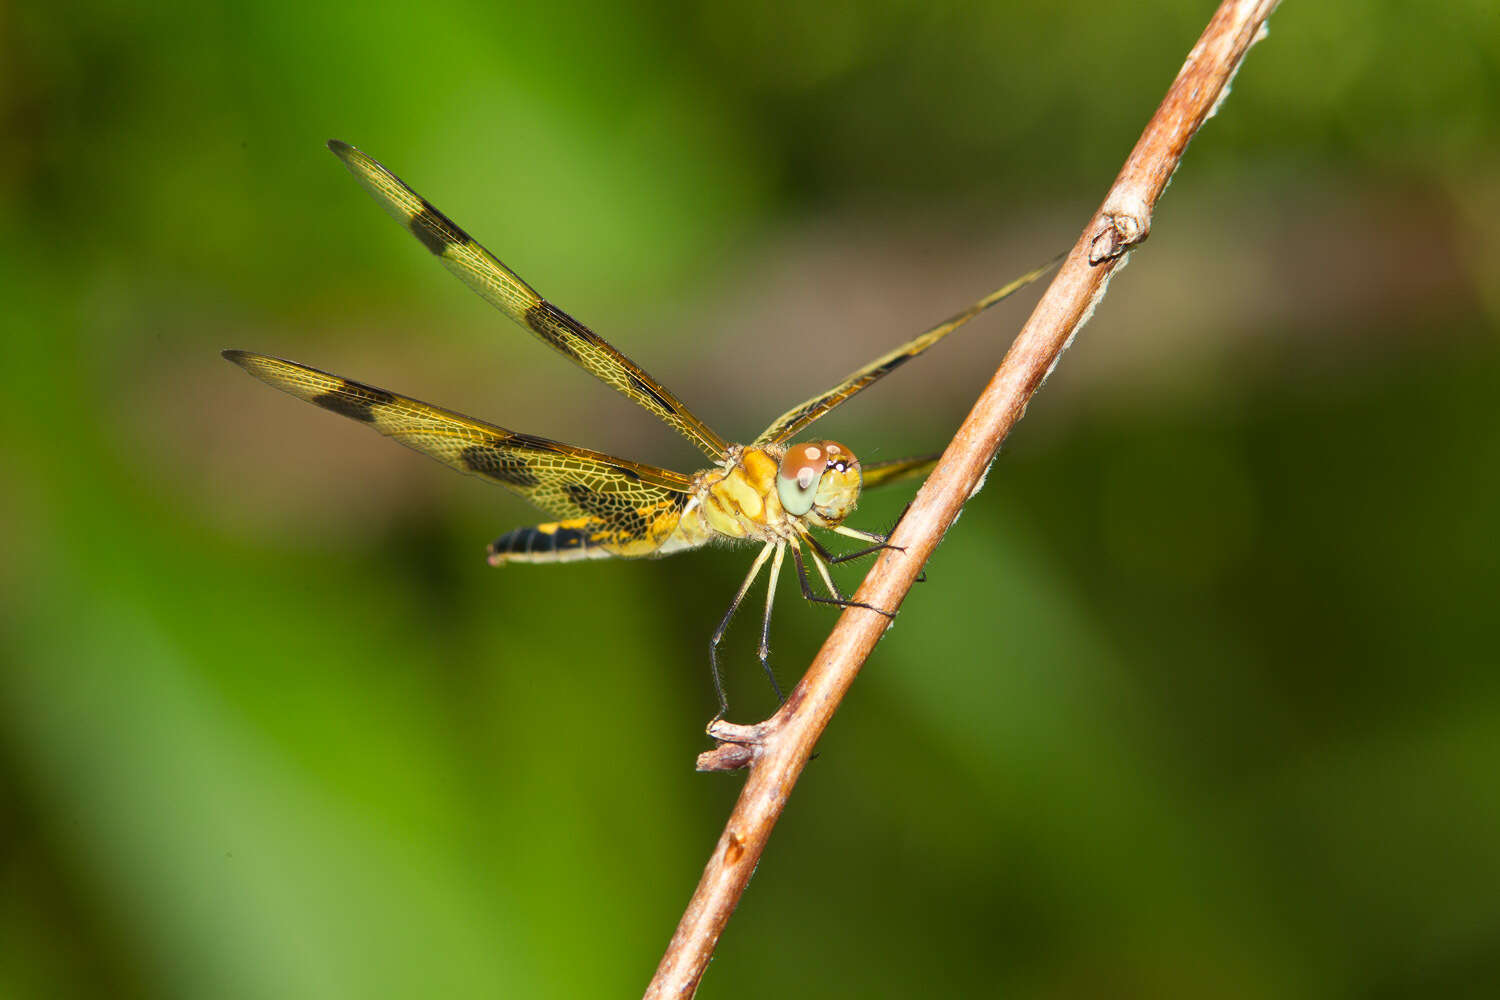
{"points": [[819, 479]]}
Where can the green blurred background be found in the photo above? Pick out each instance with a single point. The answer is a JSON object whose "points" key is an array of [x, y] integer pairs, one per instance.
{"points": [[1200, 698]]}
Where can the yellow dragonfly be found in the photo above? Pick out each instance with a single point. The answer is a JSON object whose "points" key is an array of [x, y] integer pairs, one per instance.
{"points": [[768, 492]]}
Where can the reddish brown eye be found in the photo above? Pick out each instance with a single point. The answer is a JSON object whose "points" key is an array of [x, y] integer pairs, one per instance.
{"points": [[803, 463], [797, 479], [805, 469]]}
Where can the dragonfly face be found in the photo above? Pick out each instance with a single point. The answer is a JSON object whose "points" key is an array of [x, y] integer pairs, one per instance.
{"points": [[819, 479], [766, 491]]}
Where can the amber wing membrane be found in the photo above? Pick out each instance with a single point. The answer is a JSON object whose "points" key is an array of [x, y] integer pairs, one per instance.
{"points": [[792, 421], [629, 509], [874, 474], [503, 288]]}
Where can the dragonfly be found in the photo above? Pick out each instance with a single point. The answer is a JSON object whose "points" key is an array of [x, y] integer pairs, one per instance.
{"points": [[771, 492]]}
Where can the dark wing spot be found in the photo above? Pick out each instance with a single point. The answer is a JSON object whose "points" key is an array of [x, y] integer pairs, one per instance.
{"points": [[591, 501], [536, 443], [811, 409], [629, 474], [612, 508], [436, 231], [488, 461], [555, 327], [354, 400], [644, 389]]}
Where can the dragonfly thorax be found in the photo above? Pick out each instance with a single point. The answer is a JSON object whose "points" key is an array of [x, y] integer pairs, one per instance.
{"points": [[773, 493]]}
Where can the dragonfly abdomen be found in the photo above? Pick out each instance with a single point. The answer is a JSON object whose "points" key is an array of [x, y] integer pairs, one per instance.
{"points": [[547, 543]]}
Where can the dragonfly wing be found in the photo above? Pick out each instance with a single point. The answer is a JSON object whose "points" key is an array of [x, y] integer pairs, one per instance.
{"points": [[630, 509], [884, 473], [503, 288], [795, 419]]}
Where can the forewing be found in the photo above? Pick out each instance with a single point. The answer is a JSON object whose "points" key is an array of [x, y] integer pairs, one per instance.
{"points": [[503, 288], [795, 419], [631, 507]]}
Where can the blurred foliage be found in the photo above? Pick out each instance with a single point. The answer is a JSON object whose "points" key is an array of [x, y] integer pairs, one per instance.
{"points": [[1200, 698]]}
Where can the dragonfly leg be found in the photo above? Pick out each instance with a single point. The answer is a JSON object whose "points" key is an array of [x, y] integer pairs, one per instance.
{"points": [[765, 624], [718, 637], [838, 599], [834, 560], [864, 536], [881, 542]]}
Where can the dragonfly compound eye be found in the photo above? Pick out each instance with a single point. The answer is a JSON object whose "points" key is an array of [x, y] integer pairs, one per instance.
{"points": [[821, 473], [797, 480]]}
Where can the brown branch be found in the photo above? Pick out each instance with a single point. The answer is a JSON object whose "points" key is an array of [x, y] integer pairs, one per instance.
{"points": [[776, 750]]}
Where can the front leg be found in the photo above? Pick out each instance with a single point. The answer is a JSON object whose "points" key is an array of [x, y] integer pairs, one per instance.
{"points": [[882, 542], [838, 599], [864, 536]]}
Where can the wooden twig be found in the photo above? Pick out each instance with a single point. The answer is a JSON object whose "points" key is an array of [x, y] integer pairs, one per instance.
{"points": [[776, 750]]}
